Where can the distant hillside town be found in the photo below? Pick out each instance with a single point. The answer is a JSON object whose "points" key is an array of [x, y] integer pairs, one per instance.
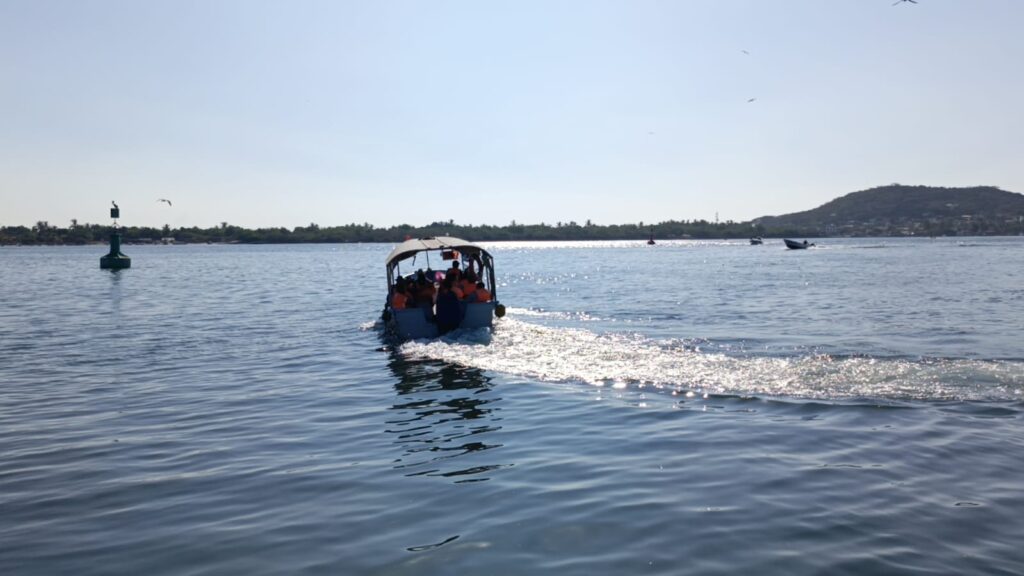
{"points": [[894, 210], [898, 210]]}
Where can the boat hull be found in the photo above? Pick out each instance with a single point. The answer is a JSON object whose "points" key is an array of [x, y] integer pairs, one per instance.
{"points": [[794, 245], [418, 323]]}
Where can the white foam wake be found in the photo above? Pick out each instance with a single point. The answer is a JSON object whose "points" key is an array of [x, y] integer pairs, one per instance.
{"points": [[565, 355], [541, 313]]}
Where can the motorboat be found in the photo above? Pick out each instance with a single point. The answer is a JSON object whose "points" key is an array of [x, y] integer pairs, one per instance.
{"points": [[414, 256], [756, 241], [794, 245]]}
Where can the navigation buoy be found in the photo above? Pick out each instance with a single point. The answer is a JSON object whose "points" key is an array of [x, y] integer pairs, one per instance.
{"points": [[115, 260]]}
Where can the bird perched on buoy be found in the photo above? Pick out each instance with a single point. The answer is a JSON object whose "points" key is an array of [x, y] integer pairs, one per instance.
{"points": [[164, 200]]}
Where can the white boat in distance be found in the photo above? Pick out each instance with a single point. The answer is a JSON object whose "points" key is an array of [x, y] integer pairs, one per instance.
{"points": [[420, 322]]}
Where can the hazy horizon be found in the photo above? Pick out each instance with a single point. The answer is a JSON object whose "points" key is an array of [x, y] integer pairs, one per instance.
{"points": [[266, 115], [455, 222]]}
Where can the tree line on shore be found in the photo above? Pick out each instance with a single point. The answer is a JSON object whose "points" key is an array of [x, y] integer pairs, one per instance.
{"points": [[42, 233], [892, 210]]}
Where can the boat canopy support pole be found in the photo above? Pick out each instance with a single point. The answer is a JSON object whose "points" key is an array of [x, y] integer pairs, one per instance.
{"points": [[489, 264]]}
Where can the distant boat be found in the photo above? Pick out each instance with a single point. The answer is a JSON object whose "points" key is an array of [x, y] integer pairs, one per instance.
{"points": [[794, 245], [756, 241]]}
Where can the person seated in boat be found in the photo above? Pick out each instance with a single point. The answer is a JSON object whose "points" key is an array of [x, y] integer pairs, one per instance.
{"points": [[399, 296], [427, 294], [449, 313], [481, 294], [468, 283], [454, 270], [423, 291], [452, 278]]}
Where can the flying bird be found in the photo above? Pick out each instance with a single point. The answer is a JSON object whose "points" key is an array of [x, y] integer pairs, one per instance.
{"points": [[901, 1], [745, 52], [751, 100], [164, 200]]}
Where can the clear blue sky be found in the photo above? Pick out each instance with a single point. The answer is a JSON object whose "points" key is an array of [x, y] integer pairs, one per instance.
{"points": [[285, 113]]}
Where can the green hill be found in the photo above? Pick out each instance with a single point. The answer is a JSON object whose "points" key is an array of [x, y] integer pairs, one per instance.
{"points": [[910, 209]]}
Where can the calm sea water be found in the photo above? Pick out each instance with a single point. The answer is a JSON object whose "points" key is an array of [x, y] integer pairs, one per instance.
{"points": [[692, 407]]}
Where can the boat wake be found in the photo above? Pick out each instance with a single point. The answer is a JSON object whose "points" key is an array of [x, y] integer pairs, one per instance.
{"points": [[541, 313], [623, 360]]}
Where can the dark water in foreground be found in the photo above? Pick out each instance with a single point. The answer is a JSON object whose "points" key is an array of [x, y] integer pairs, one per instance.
{"points": [[688, 408]]}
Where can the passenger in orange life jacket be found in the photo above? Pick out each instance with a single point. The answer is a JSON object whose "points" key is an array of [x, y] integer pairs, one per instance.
{"points": [[399, 298], [423, 291], [478, 294], [455, 269], [451, 278], [468, 283], [482, 295], [427, 293]]}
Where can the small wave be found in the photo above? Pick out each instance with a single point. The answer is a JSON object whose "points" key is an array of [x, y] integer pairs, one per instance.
{"points": [[377, 324], [621, 360]]}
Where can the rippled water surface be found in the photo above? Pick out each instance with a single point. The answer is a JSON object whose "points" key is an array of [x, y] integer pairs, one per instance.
{"points": [[691, 407]]}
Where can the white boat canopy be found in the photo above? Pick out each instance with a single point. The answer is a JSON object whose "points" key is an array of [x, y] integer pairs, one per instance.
{"points": [[416, 245]]}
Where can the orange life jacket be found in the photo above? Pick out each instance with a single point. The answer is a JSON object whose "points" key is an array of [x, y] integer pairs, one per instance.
{"points": [[482, 295], [468, 287], [398, 301]]}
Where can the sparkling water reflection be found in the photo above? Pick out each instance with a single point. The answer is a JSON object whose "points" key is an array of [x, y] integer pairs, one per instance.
{"points": [[445, 416]]}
